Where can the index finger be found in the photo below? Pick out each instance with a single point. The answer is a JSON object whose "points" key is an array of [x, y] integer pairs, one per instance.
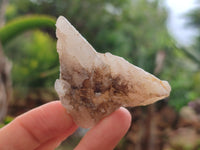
{"points": [[35, 127]]}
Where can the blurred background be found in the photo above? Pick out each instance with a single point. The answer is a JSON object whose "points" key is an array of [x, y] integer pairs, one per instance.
{"points": [[160, 36]]}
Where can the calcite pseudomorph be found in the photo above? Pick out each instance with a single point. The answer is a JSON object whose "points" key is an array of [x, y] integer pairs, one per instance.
{"points": [[93, 85]]}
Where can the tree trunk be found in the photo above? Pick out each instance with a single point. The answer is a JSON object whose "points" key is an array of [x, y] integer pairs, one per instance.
{"points": [[5, 68], [5, 84], [3, 4]]}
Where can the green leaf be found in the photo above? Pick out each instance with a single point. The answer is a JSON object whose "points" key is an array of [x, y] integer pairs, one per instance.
{"points": [[22, 24]]}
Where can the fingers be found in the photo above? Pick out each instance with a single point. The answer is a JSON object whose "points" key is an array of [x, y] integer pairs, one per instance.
{"points": [[37, 127], [55, 142], [107, 133], [45, 127]]}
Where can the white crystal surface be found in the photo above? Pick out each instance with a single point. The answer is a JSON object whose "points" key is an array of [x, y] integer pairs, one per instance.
{"points": [[93, 85]]}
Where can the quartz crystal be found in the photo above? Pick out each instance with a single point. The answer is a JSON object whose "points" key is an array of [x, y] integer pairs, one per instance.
{"points": [[92, 85]]}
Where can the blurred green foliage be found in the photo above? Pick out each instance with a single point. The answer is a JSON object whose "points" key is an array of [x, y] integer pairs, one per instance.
{"points": [[194, 21], [133, 29], [34, 54], [6, 121]]}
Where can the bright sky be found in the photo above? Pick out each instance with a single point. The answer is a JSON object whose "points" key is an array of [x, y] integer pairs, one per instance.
{"points": [[176, 21]]}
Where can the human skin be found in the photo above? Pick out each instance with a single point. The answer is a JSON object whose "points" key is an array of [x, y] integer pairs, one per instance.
{"points": [[45, 127]]}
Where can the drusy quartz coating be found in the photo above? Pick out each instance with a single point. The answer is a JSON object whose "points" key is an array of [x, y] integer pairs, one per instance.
{"points": [[92, 85]]}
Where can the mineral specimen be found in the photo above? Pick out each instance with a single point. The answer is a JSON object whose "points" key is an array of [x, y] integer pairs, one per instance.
{"points": [[93, 85]]}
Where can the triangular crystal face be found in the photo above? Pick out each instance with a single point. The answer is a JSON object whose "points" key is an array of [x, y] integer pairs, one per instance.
{"points": [[93, 85]]}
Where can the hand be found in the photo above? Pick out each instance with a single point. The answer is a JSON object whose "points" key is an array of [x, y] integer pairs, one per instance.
{"points": [[45, 127]]}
